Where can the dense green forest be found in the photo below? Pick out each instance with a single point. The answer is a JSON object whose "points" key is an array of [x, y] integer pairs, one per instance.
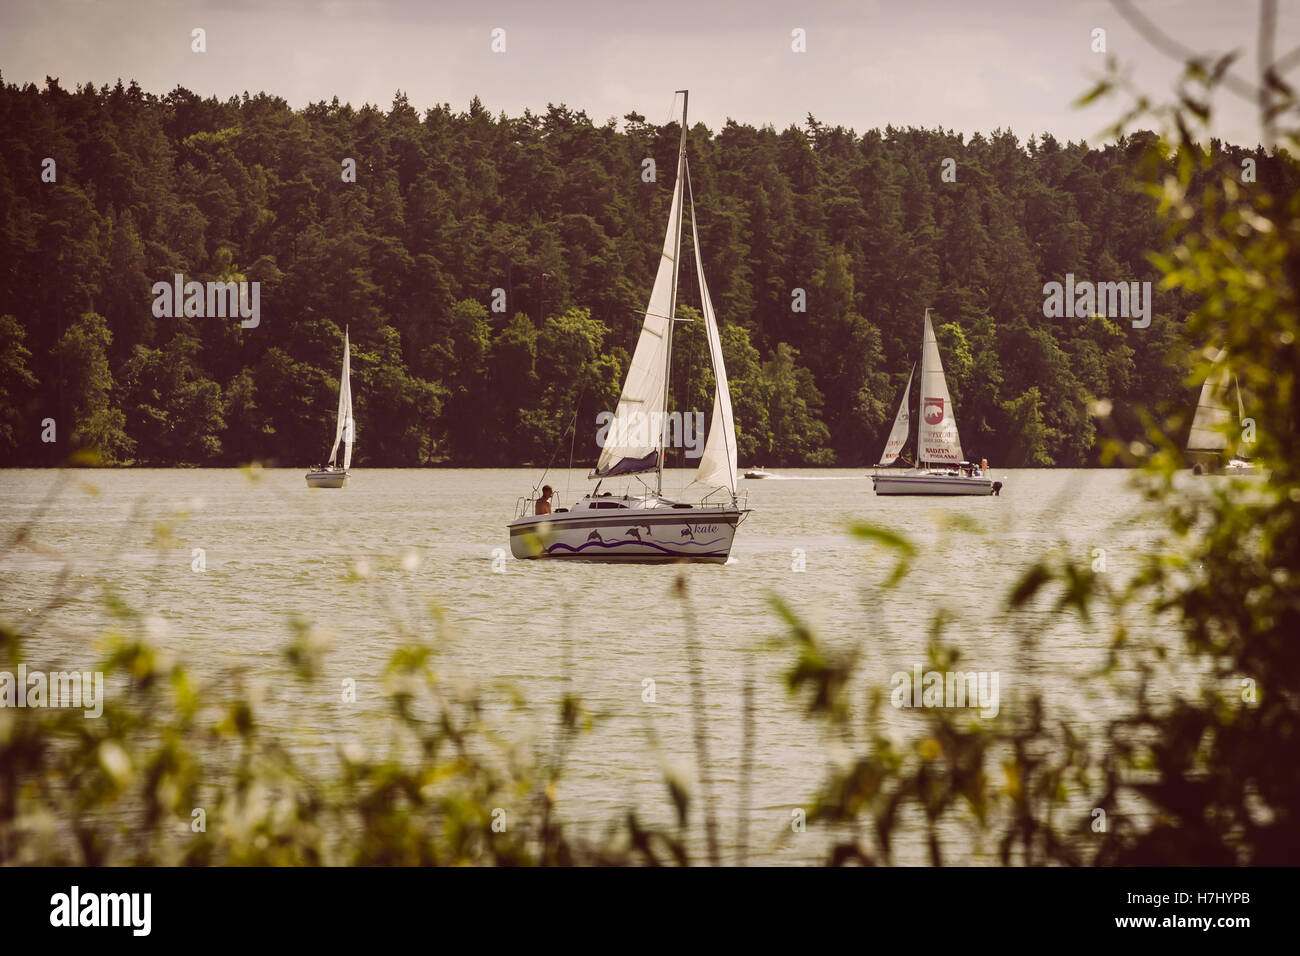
{"points": [[555, 210]]}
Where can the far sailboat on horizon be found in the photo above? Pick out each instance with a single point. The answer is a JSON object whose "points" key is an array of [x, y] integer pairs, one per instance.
{"points": [[331, 476], [1207, 442], [937, 442]]}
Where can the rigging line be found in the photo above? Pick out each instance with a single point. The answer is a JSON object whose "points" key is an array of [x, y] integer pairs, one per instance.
{"points": [[672, 110], [668, 121], [573, 429], [675, 218], [572, 424], [694, 358]]}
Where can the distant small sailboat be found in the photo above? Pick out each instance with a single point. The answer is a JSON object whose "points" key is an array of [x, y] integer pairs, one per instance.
{"points": [[331, 476], [937, 441], [1207, 442], [649, 527]]}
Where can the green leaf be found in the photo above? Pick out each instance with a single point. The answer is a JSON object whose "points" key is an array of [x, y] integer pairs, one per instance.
{"points": [[1029, 584]]}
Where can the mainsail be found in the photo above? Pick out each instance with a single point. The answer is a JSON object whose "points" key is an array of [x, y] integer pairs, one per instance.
{"points": [[346, 426], [937, 439], [718, 463], [1209, 424], [636, 433], [902, 425]]}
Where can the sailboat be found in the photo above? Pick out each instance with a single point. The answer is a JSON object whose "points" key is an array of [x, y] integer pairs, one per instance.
{"points": [[937, 442], [647, 526], [1207, 442], [332, 476]]}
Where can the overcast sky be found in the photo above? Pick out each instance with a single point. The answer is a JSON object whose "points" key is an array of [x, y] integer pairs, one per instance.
{"points": [[968, 65]]}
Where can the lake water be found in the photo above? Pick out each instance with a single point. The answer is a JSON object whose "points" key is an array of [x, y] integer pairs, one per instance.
{"points": [[365, 561]]}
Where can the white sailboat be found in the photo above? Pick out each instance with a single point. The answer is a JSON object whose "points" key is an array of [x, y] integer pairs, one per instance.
{"points": [[937, 441], [647, 526], [1207, 442], [332, 476]]}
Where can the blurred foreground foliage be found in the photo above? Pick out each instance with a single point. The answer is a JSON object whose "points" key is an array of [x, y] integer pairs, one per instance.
{"points": [[159, 779]]}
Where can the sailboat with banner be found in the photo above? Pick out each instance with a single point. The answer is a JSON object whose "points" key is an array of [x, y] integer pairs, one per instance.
{"points": [[1207, 442], [332, 476], [941, 469], [648, 526]]}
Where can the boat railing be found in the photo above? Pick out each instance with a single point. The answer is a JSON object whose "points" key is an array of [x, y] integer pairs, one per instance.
{"points": [[739, 498], [524, 504]]}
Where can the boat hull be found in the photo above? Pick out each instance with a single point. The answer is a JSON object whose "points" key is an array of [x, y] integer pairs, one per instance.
{"points": [[646, 536], [327, 479], [945, 485], [1215, 465]]}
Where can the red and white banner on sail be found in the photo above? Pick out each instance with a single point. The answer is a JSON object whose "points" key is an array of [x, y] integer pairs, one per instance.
{"points": [[938, 441]]}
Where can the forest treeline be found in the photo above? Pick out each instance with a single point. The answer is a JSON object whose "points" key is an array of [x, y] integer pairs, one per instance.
{"points": [[555, 211]]}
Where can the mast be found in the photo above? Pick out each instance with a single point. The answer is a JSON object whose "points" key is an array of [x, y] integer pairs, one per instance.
{"points": [[678, 190], [349, 426], [921, 393]]}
